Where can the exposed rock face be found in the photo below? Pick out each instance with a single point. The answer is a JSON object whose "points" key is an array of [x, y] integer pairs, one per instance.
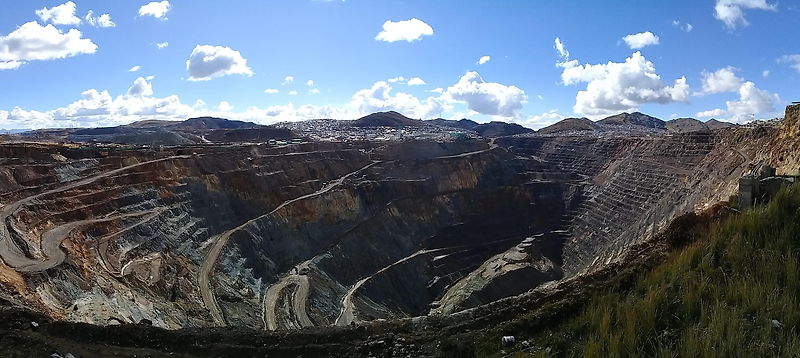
{"points": [[783, 153], [634, 186], [333, 233]]}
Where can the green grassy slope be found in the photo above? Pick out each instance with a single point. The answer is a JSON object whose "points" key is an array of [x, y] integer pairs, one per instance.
{"points": [[717, 296]]}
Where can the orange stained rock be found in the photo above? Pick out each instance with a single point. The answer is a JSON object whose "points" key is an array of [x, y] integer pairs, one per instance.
{"points": [[11, 280]]}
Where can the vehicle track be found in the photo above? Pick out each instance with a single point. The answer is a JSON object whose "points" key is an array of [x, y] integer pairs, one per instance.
{"points": [[13, 255], [219, 243], [347, 315], [299, 299]]}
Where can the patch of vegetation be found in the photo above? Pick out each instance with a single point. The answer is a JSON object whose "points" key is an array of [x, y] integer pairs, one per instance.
{"points": [[731, 289]]}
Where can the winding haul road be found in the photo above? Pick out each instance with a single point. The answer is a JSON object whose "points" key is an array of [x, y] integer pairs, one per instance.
{"points": [[299, 299], [467, 154], [103, 242], [51, 240], [347, 314], [219, 243]]}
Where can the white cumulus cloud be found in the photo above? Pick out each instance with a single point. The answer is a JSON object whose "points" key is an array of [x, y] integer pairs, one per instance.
{"points": [[135, 68], [103, 20], [293, 93], [96, 108], [10, 65], [162, 45], [615, 87], [313, 91], [416, 81], [489, 98], [752, 102], [287, 80], [407, 30], [33, 42], [63, 14], [731, 13], [723, 80], [140, 88], [155, 9], [640, 40], [484, 59], [225, 106], [765, 74], [398, 79], [310, 83], [207, 62], [271, 91]]}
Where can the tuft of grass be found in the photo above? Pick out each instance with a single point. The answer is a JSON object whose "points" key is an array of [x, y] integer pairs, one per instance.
{"points": [[715, 296]]}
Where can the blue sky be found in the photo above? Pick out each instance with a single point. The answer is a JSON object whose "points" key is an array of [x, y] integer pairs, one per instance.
{"points": [[738, 60]]}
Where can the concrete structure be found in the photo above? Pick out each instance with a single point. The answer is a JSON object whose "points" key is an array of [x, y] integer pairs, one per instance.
{"points": [[760, 185]]}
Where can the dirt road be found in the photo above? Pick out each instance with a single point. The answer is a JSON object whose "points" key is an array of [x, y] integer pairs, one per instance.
{"points": [[12, 255], [219, 243], [299, 299], [52, 239], [491, 147], [103, 242], [347, 314]]}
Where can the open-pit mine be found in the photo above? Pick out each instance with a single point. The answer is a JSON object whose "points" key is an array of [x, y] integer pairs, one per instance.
{"points": [[281, 235]]}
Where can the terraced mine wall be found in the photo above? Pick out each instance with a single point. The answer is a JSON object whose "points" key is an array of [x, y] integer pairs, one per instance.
{"points": [[636, 186], [333, 233]]}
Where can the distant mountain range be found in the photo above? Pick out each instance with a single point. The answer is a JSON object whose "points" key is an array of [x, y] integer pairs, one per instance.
{"points": [[491, 129], [220, 130], [394, 119], [154, 132], [633, 120]]}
